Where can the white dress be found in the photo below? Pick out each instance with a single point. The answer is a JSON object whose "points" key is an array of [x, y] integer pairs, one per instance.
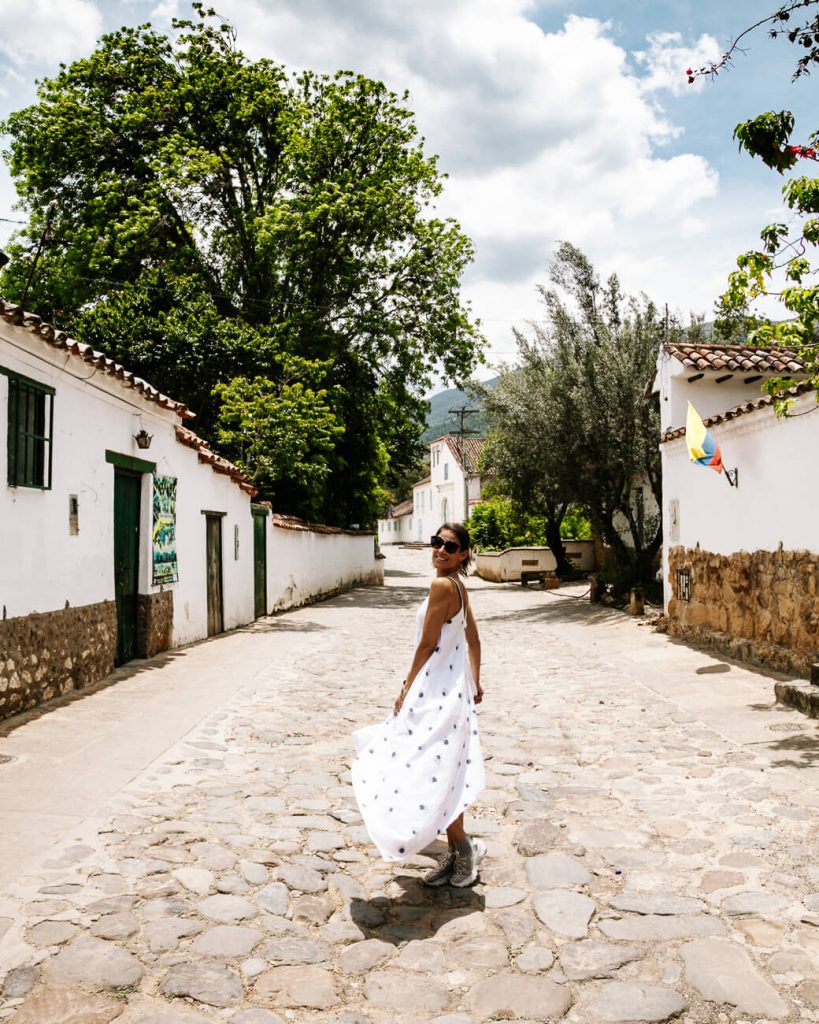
{"points": [[416, 772]]}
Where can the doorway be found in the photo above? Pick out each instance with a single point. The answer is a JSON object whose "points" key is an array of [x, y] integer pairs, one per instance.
{"points": [[259, 564], [213, 528], [127, 499]]}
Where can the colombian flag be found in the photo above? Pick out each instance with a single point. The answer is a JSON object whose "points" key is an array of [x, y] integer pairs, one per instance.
{"points": [[702, 448]]}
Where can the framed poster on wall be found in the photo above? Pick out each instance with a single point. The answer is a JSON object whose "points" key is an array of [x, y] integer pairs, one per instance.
{"points": [[165, 568]]}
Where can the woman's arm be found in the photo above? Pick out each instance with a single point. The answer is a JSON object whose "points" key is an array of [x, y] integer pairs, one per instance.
{"points": [[473, 643], [440, 598]]}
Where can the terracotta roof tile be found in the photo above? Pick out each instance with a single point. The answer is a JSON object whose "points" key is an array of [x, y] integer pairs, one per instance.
{"points": [[402, 509], [216, 462], [742, 409], [294, 523], [58, 339], [737, 358], [473, 446]]}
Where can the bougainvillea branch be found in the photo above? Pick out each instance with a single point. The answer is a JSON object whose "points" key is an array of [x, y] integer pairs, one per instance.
{"points": [[805, 35]]}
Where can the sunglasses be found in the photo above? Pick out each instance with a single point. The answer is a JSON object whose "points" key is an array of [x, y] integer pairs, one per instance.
{"points": [[448, 545]]}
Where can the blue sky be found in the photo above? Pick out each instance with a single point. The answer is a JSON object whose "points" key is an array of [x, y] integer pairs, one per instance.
{"points": [[555, 119]]}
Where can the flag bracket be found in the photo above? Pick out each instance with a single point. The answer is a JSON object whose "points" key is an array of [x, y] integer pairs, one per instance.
{"points": [[732, 476]]}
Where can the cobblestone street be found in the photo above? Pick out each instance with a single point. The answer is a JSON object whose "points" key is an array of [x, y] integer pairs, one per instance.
{"points": [[650, 816]]}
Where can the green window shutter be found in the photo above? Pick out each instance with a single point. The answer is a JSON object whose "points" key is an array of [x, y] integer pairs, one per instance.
{"points": [[30, 432]]}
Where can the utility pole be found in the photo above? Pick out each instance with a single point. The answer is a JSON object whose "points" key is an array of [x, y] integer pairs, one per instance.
{"points": [[461, 433]]}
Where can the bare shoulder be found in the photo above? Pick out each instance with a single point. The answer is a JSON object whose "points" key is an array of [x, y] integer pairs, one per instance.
{"points": [[440, 588]]}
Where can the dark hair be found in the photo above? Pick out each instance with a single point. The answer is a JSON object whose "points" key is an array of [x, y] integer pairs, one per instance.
{"points": [[462, 534]]}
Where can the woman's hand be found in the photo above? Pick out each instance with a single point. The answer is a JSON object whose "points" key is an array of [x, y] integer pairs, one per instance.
{"points": [[399, 703], [478, 693]]}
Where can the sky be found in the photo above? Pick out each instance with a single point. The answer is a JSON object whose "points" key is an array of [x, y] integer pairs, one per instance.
{"points": [[553, 119]]}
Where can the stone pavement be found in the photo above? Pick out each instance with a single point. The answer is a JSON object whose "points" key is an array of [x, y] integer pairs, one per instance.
{"points": [[191, 850]]}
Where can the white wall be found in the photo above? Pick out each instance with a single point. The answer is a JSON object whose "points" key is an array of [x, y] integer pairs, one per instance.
{"points": [[396, 530], [507, 565], [778, 493], [303, 565], [447, 485], [425, 521], [41, 566]]}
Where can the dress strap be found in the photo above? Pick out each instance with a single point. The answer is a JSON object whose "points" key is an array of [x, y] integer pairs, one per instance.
{"points": [[460, 595]]}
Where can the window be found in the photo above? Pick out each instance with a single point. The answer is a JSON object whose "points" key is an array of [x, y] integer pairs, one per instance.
{"points": [[31, 423], [446, 471]]}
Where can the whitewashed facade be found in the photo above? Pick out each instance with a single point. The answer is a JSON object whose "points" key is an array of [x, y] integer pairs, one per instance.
{"points": [[69, 465], [741, 564], [313, 562], [446, 495]]}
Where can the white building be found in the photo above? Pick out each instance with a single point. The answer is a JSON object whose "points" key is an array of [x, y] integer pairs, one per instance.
{"points": [[446, 495], [740, 564], [111, 550]]}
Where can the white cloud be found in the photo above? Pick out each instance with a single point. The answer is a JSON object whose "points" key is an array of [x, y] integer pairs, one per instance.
{"points": [[47, 31], [668, 58]]}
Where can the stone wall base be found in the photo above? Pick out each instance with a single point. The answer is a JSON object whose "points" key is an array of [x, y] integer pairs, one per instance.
{"points": [[760, 607], [45, 655], [154, 623]]}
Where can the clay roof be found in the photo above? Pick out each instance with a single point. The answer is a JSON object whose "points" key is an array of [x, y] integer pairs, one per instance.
{"points": [[216, 462], [402, 509], [294, 523], [426, 480], [55, 338], [473, 447], [765, 401], [738, 358]]}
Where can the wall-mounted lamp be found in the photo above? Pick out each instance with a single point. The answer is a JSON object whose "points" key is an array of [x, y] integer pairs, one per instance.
{"points": [[143, 439]]}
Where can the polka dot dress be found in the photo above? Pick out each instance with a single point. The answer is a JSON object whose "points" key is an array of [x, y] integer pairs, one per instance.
{"points": [[416, 772]]}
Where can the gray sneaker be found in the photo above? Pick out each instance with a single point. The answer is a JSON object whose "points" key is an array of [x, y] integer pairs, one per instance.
{"points": [[465, 871], [442, 870]]}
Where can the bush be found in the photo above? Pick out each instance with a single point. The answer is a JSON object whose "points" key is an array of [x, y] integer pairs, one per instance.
{"points": [[495, 525]]}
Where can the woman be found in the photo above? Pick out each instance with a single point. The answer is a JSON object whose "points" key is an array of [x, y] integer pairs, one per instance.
{"points": [[415, 774]]}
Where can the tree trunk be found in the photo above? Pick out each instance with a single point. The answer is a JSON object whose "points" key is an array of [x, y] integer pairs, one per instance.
{"points": [[555, 541]]}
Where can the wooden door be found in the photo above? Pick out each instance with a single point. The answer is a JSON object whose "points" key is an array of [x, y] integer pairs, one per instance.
{"points": [[127, 493], [214, 557], [260, 564]]}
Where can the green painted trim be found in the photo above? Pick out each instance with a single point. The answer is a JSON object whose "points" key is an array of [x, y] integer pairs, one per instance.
{"points": [[27, 380], [259, 511], [129, 462]]}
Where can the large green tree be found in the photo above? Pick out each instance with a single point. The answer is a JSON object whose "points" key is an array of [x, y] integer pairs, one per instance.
{"points": [[785, 264], [571, 424], [207, 215]]}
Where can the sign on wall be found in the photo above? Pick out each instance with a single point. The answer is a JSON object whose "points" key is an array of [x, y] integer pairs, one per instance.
{"points": [[165, 568]]}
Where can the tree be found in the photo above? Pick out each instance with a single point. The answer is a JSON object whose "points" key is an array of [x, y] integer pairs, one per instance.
{"points": [[520, 449], [572, 425], [282, 431], [296, 213], [787, 253]]}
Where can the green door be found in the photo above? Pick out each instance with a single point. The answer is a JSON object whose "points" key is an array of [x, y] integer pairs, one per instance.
{"points": [[127, 491], [260, 563]]}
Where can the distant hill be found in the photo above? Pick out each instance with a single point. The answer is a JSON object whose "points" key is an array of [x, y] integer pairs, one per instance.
{"points": [[441, 421]]}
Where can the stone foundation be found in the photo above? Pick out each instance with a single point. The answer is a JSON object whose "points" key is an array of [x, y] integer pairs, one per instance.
{"points": [[760, 606], [45, 655], [154, 623]]}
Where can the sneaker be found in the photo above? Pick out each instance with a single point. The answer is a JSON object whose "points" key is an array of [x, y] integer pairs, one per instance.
{"points": [[465, 871], [442, 870]]}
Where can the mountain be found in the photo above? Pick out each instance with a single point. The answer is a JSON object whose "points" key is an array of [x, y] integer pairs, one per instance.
{"points": [[441, 421]]}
